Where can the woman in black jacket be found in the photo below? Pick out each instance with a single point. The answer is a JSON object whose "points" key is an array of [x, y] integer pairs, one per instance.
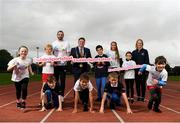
{"points": [[140, 56]]}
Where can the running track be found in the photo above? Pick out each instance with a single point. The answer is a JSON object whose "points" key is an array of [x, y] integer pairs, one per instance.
{"points": [[9, 113]]}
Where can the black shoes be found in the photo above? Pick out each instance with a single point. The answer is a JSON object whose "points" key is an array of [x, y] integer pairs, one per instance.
{"points": [[21, 105], [140, 99], [157, 110], [18, 105], [131, 100]]}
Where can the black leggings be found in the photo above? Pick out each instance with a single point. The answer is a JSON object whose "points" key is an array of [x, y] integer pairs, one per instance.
{"points": [[84, 96], [129, 87], [21, 88], [140, 84], [60, 73]]}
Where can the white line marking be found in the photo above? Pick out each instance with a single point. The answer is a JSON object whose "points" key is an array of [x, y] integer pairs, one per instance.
{"points": [[44, 119], [117, 116], [15, 100], [168, 108], [172, 90], [115, 113], [52, 110], [3, 88], [5, 93], [169, 95]]}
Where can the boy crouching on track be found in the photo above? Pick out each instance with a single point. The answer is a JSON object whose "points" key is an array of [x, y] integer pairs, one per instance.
{"points": [[52, 92], [156, 79], [113, 91], [83, 91]]}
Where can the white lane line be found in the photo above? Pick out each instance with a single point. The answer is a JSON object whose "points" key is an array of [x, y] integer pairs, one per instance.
{"points": [[170, 109], [172, 90], [117, 116], [5, 93], [52, 110], [5, 88], [169, 96], [15, 100], [46, 117], [115, 113]]}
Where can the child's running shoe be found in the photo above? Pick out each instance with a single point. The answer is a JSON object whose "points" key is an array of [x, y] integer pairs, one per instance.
{"points": [[132, 100], [18, 105], [157, 110], [23, 105], [139, 99], [142, 99], [129, 99]]}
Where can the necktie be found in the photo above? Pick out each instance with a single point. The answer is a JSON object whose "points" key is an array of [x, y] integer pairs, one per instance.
{"points": [[81, 52]]}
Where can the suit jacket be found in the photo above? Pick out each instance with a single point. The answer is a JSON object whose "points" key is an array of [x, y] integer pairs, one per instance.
{"points": [[75, 54]]}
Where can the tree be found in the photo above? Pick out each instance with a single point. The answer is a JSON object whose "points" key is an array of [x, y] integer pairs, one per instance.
{"points": [[5, 57], [176, 70], [169, 69]]}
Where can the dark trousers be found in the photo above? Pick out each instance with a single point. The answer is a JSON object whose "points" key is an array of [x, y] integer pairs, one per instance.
{"points": [[129, 87], [53, 97], [140, 84], [84, 96], [21, 88], [60, 75], [77, 72], [155, 97], [115, 100]]}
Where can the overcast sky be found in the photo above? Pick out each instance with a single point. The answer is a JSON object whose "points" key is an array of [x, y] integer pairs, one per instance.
{"points": [[35, 23]]}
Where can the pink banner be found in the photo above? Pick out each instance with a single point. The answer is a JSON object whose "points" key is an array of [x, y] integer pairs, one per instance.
{"points": [[127, 68], [70, 58]]}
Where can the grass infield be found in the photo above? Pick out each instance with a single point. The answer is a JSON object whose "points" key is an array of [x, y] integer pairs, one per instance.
{"points": [[5, 78]]}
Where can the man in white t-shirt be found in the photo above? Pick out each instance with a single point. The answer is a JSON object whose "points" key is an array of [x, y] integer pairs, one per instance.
{"points": [[61, 48]]}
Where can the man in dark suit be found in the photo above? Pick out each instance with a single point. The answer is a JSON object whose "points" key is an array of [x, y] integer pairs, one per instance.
{"points": [[80, 52]]}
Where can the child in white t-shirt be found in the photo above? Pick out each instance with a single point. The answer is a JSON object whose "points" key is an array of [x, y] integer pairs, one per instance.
{"points": [[157, 78], [83, 91], [47, 67], [21, 67], [129, 76]]}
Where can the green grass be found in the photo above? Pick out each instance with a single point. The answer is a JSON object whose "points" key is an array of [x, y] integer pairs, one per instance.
{"points": [[5, 78], [174, 78]]}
